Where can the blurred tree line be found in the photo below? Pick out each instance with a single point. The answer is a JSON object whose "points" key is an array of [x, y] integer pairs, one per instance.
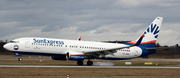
{"points": [[1, 45], [2, 50]]}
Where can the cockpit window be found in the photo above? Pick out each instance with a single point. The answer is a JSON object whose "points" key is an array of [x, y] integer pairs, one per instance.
{"points": [[14, 41], [11, 41]]}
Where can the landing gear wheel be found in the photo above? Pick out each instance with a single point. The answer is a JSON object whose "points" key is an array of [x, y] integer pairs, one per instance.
{"points": [[20, 59], [79, 62], [89, 63]]}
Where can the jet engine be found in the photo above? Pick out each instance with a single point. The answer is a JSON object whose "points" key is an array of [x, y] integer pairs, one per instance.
{"points": [[75, 56]]}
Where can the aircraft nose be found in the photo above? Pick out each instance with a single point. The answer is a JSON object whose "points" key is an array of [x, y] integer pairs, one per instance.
{"points": [[6, 46]]}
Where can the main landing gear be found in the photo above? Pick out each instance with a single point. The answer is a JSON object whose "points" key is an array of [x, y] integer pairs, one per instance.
{"points": [[89, 63], [79, 62]]}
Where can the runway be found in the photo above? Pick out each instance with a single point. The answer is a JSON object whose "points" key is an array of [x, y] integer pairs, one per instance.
{"points": [[62, 66]]}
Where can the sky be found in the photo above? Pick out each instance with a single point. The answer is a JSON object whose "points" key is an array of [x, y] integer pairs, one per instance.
{"points": [[94, 20]]}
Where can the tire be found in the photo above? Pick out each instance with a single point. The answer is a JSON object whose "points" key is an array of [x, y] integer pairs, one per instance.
{"points": [[20, 59], [79, 62], [89, 63]]}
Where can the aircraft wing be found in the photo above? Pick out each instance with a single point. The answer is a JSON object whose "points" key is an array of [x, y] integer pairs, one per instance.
{"points": [[97, 53]]}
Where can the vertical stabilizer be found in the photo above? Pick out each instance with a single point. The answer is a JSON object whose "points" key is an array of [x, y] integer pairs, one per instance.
{"points": [[150, 34]]}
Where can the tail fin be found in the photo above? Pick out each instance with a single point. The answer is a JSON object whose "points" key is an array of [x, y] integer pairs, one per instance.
{"points": [[150, 34]]}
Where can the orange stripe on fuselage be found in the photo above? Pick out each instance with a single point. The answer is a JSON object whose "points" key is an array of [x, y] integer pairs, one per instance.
{"points": [[134, 42]]}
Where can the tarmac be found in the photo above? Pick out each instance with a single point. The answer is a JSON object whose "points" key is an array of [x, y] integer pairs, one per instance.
{"points": [[63, 66]]}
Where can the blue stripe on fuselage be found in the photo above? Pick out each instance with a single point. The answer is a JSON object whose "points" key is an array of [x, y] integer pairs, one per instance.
{"points": [[144, 47]]}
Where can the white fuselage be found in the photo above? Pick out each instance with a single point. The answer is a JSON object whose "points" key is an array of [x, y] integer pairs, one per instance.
{"points": [[50, 46]]}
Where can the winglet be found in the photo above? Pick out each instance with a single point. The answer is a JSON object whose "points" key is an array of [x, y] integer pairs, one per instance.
{"points": [[79, 38]]}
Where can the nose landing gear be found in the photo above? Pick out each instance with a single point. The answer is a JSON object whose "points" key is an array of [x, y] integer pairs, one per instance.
{"points": [[20, 59]]}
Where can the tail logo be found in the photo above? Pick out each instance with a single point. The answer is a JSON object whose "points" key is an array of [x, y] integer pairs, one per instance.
{"points": [[154, 30]]}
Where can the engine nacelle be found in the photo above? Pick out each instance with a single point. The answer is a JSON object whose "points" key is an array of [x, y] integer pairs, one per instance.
{"points": [[75, 56], [58, 57]]}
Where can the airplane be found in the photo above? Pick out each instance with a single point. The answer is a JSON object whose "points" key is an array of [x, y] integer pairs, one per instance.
{"points": [[78, 50]]}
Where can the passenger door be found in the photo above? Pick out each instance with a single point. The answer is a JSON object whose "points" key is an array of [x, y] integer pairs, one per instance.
{"points": [[27, 43]]}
